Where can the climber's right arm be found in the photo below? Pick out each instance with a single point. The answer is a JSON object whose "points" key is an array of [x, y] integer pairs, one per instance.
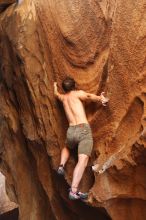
{"points": [[85, 96]]}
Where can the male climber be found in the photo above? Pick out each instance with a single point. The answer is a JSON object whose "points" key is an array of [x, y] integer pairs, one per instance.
{"points": [[79, 131]]}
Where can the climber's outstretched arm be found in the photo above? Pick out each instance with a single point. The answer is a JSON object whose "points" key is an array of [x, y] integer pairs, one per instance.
{"points": [[56, 93], [84, 96]]}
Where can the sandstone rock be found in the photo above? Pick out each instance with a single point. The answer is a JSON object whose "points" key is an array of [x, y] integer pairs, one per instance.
{"points": [[5, 204], [102, 44], [5, 3]]}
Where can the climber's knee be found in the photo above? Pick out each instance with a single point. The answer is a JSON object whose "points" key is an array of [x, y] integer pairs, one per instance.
{"points": [[83, 159]]}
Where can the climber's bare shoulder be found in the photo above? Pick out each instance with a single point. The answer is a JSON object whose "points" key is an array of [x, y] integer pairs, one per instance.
{"points": [[82, 95], [77, 94]]}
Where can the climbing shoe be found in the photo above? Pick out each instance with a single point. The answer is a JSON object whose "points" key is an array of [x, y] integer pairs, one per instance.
{"points": [[60, 170], [83, 195], [73, 195], [77, 195]]}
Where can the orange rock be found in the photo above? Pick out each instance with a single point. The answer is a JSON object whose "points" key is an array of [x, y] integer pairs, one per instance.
{"points": [[5, 204], [4, 4], [102, 45]]}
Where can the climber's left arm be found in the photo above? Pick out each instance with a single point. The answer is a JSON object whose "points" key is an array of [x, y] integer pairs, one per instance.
{"points": [[56, 93]]}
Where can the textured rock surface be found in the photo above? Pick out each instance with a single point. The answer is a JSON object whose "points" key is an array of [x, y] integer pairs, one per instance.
{"points": [[102, 44], [5, 204]]}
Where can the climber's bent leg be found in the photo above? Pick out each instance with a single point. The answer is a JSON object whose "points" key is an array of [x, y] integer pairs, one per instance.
{"points": [[64, 158]]}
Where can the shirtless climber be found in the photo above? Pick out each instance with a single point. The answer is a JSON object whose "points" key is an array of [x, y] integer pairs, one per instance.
{"points": [[79, 131]]}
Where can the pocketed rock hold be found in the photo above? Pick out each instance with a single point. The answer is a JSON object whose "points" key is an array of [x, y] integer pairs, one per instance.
{"points": [[101, 44]]}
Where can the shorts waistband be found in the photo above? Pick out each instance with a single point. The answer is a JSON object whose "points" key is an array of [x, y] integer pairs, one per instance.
{"points": [[80, 125]]}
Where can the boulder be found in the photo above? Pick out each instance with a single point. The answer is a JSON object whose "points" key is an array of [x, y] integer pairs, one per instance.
{"points": [[102, 45]]}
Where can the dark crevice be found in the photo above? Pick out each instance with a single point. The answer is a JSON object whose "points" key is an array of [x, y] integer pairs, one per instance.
{"points": [[5, 5], [103, 78], [139, 154], [11, 215], [79, 209], [31, 147]]}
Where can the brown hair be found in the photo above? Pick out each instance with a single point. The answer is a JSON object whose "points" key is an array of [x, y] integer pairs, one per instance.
{"points": [[68, 84]]}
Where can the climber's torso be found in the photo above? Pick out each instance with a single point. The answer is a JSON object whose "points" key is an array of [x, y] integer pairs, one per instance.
{"points": [[74, 108]]}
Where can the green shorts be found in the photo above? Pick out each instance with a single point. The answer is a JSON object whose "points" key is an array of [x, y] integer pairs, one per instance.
{"points": [[80, 135]]}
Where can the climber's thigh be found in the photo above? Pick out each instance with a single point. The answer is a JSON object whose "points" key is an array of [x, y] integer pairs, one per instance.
{"points": [[71, 141], [85, 146]]}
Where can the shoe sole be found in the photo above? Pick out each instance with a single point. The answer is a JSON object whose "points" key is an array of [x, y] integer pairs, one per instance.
{"points": [[73, 198]]}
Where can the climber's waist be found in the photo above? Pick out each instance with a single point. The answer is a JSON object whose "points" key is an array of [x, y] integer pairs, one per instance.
{"points": [[81, 125]]}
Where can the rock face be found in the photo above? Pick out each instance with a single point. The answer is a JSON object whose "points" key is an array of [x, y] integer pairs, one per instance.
{"points": [[102, 44], [5, 204]]}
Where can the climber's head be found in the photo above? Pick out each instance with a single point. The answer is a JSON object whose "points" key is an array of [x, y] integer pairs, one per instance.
{"points": [[68, 84]]}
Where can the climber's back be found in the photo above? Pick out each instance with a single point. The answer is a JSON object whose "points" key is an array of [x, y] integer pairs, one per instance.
{"points": [[74, 108]]}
